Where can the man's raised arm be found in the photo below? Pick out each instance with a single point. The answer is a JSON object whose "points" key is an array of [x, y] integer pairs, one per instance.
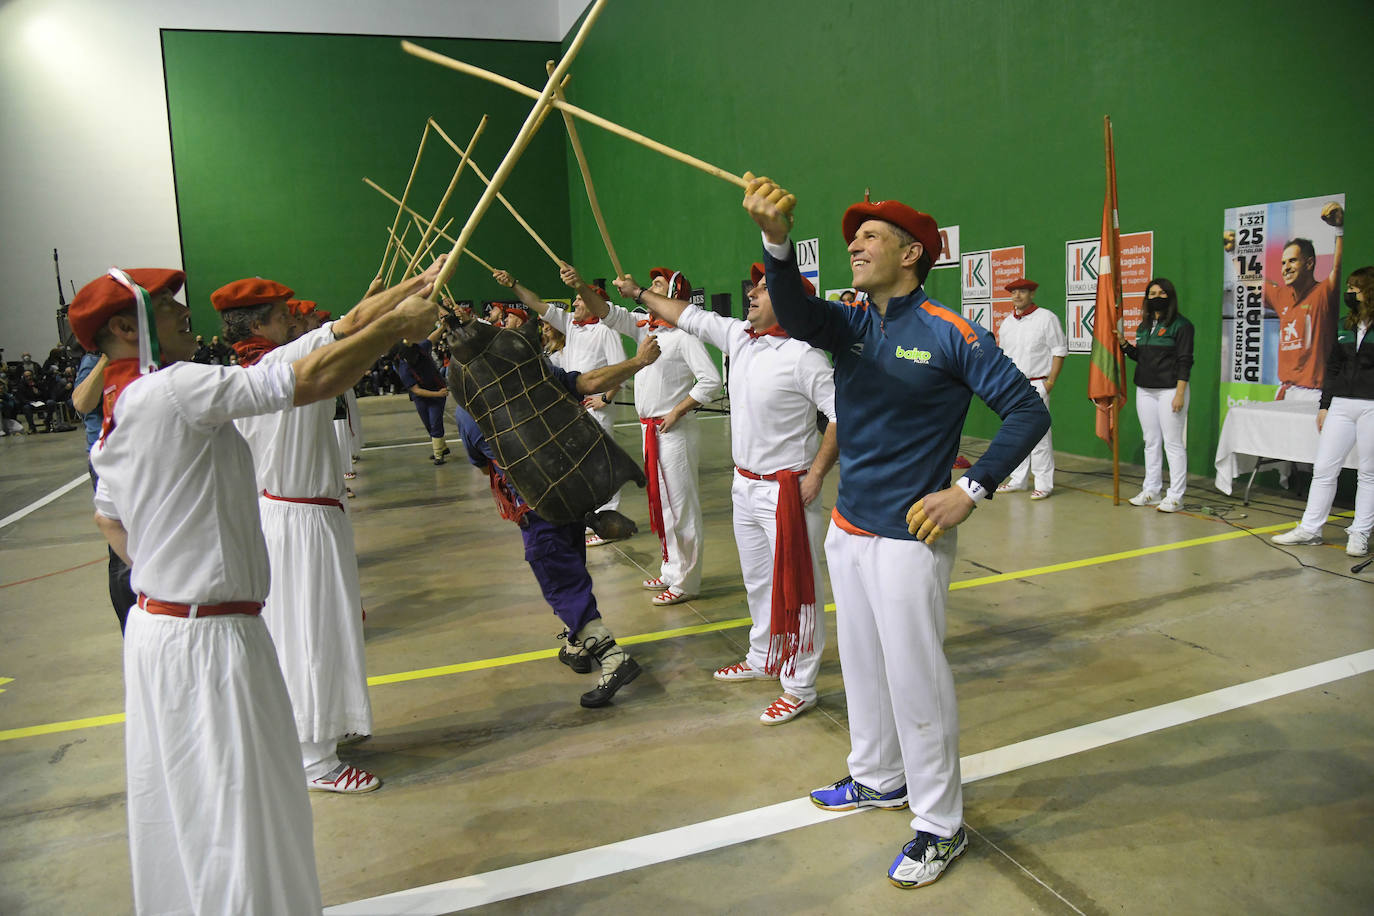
{"points": [[608, 377], [527, 296], [665, 307], [376, 303]]}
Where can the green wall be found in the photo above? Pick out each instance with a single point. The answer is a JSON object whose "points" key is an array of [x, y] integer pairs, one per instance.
{"points": [[273, 133], [988, 115]]}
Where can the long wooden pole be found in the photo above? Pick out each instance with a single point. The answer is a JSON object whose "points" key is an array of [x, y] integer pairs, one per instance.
{"points": [[412, 268], [576, 142], [476, 170], [1111, 244], [397, 253], [604, 124], [522, 140], [417, 217], [448, 192], [395, 223]]}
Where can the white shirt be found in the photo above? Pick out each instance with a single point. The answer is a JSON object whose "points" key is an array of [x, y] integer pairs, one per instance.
{"points": [[683, 369], [776, 386], [588, 346], [294, 450], [1033, 341], [179, 477]]}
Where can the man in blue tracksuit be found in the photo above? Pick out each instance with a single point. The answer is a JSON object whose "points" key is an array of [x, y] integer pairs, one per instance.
{"points": [[906, 369]]}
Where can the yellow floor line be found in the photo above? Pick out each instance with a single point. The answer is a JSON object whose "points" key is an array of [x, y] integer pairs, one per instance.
{"points": [[418, 674]]}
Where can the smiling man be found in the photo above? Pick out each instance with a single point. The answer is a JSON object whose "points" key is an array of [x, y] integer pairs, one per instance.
{"points": [[905, 372], [1307, 312]]}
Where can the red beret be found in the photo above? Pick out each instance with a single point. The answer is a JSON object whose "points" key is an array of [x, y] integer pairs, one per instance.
{"points": [[756, 274], [104, 297], [1022, 283], [250, 291], [518, 308], [323, 315], [300, 306], [678, 287], [921, 225]]}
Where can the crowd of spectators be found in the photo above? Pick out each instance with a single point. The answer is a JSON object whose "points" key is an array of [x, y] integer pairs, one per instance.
{"points": [[38, 392]]}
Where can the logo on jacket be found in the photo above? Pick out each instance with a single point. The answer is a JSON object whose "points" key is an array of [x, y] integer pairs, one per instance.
{"points": [[915, 355]]}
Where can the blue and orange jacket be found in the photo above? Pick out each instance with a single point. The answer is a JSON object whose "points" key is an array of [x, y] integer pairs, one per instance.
{"points": [[903, 384]]}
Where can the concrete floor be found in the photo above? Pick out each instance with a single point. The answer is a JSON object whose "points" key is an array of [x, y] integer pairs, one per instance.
{"points": [[489, 762]]}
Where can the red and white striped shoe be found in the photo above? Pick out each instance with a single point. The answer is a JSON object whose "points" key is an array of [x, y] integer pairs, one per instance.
{"points": [[345, 779], [670, 596], [784, 710], [655, 584], [741, 671]]}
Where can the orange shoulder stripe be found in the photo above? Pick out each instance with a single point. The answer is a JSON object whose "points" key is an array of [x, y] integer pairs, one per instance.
{"points": [[953, 318]]}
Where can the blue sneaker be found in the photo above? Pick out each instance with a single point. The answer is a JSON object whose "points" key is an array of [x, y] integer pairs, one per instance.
{"points": [[925, 858], [846, 795]]}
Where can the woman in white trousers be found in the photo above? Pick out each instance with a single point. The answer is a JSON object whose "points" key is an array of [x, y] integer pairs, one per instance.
{"points": [[1345, 419]]}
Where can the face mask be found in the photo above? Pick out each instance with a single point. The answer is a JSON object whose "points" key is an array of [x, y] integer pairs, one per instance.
{"points": [[1352, 301], [1157, 305]]}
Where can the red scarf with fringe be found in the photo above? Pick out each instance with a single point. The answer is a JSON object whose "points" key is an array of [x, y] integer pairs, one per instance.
{"points": [[651, 471], [794, 584], [119, 374]]}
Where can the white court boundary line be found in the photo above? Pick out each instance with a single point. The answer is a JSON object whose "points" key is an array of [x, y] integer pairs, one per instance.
{"points": [[657, 848], [51, 497]]}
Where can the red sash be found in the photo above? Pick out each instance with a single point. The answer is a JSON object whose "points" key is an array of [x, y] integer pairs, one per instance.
{"points": [[168, 609], [651, 471], [794, 585], [253, 349], [508, 503], [306, 500]]}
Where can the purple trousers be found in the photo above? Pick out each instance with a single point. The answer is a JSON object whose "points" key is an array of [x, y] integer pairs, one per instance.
{"points": [[557, 555]]}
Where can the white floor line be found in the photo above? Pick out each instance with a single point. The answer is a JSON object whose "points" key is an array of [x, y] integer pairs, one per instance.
{"points": [[35, 506], [654, 849]]}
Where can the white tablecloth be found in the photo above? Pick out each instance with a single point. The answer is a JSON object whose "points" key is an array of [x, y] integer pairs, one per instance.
{"points": [[1283, 430]]}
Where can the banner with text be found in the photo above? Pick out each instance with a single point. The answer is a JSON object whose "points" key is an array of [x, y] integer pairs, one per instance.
{"points": [[1281, 289], [982, 287], [1080, 284]]}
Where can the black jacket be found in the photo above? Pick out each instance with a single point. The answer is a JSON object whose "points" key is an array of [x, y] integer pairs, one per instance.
{"points": [[1163, 354], [1349, 373]]}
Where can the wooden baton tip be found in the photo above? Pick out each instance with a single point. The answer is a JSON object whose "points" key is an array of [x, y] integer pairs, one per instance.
{"points": [[405, 194], [448, 192], [582, 165]]}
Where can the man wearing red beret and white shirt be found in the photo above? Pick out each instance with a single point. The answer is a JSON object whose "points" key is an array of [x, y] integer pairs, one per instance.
{"points": [[906, 369], [219, 819], [666, 394], [314, 610], [776, 386], [1034, 339]]}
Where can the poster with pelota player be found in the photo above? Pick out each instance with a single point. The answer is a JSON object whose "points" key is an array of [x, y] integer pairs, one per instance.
{"points": [[1282, 285]]}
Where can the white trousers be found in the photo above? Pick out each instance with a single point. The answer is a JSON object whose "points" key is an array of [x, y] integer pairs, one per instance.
{"points": [[1349, 421], [606, 417], [677, 481], [756, 535], [219, 819], [314, 612], [1040, 462], [903, 718], [1165, 433]]}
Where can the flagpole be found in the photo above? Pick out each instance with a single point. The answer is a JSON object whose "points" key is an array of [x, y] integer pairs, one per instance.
{"points": [[1111, 243]]}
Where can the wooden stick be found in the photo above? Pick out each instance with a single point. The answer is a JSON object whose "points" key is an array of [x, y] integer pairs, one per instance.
{"points": [[443, 201], [576, 142], [415, 216], [558, 262], [404, 195], [634, 136], [517, 148], [397, 253], [420, 253]]}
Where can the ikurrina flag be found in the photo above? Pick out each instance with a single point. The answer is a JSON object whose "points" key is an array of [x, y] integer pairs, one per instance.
{"points": [[1106, 372]]}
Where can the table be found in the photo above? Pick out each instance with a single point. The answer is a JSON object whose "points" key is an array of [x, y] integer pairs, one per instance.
{"points": [[1258, 433]]}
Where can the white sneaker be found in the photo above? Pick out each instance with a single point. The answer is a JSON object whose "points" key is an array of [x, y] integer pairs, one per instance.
{"points": [[346, 780], [1145, 499], [1297, 538], [784, 710], [1356, 545], [1169, 504]]}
